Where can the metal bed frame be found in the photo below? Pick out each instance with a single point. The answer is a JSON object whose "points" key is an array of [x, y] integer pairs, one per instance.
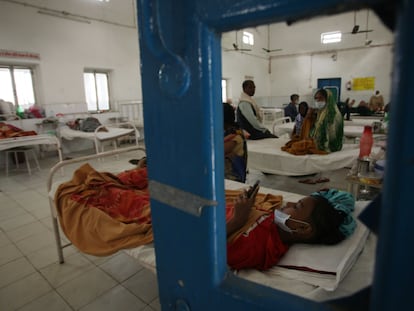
{"points": [[180, 65], [60, 166]]}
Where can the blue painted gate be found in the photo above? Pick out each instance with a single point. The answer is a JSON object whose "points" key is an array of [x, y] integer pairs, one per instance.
{"points": [[181, 74]]}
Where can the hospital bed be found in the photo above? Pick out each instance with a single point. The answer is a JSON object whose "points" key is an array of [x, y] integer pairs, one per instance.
{"points": [[33, 140], [132, 111], [353, 128], [312, 271], [101, 135], [265, 155], [30, 140]]}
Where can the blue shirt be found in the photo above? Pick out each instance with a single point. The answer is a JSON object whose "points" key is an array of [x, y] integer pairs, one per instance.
{"points": [[291, 111]]}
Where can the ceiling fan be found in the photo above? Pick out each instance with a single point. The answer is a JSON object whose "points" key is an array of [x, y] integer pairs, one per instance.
{"points": [[355, 29], [236, 47], [268, 49]]}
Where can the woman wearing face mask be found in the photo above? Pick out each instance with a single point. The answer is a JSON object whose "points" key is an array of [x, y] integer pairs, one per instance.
{"points": [[322, 129], [324, 217], [327, 129]]}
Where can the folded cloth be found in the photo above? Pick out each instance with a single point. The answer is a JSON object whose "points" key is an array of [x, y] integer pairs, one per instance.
{"points": [[302, 147], [302, 144]]}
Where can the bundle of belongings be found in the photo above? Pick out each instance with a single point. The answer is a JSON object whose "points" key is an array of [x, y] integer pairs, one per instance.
{"points": [[89, 124]]}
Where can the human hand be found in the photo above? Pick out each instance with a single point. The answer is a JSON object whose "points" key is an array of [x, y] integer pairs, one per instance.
{"points": [[246, 134], [243, 205]]}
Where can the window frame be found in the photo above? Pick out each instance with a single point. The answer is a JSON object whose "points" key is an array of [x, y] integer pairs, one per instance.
{"points": [[248, 38], [95, 72], [15, 101]]}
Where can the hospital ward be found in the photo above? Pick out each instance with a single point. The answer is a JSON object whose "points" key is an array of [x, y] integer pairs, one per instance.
{"points": [[206, 155]]}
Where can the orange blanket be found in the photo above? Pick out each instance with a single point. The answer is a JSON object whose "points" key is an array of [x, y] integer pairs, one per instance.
{"points": [[302, 144], [10, 131], [101, 213]]}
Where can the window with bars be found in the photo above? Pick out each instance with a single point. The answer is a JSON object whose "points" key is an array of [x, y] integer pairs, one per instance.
{"points": [[97, 90], [16, 86]]}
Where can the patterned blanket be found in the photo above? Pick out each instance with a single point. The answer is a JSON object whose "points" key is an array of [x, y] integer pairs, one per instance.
{"points": [[10, 131], [101, 213]]}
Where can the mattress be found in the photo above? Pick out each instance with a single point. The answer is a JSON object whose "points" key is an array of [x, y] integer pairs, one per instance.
{"points": [[265, 155]]}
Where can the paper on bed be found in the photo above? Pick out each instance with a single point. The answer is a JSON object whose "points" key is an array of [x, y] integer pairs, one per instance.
{"points": [[329, 264]]}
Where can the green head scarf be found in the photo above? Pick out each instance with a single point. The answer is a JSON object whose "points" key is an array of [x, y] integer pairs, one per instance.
{"points": [[342, 201]]}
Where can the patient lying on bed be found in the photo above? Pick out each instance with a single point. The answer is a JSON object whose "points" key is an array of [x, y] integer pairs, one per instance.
{"points": [[324, 217], [101, 213]]}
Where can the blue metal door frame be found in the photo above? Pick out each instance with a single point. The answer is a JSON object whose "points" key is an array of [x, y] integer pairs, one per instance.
{"points": [[181, 74]]}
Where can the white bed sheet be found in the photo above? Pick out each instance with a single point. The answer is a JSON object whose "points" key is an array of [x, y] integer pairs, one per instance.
{"points": [[352, 261], [112, 133], [32, 140], [98, 137], [351, 128], [265, 155]]}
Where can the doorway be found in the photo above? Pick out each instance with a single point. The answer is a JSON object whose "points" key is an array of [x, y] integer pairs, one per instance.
{"points": [[332, 84]]}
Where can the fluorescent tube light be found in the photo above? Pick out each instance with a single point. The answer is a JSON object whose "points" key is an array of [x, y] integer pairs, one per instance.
{"points": [[331, 37]]}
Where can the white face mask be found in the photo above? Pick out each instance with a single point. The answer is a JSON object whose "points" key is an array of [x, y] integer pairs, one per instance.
{"points": [[281, 218], [320, 105]]}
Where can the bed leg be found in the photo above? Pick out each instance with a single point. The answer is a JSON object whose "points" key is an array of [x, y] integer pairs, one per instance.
{"points": [[58, 241], [56, 232]]}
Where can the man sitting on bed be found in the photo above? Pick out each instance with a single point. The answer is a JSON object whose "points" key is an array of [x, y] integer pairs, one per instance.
{"points": [[248, 113], [259, 242], [101, 213]]}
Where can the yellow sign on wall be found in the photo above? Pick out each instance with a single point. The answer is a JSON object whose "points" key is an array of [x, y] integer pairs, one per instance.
{"points": [[363, 84]]}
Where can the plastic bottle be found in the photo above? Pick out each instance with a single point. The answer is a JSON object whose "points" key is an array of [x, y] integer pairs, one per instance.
{"points": [[366, 142], [20, 112]]}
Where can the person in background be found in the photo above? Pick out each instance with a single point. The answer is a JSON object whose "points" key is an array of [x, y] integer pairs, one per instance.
{"points": [[291, 109], [376, 102], [362, 109], [248, 113], [303, 110], [327, 127], [342, 106], [235, 147]]}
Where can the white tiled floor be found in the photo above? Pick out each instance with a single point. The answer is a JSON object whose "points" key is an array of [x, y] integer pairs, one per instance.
{"points": [[31, 277]]}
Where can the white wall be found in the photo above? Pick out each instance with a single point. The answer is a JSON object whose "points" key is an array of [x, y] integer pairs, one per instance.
{"points": [[299, 74], [236, 66], [66, 48]]}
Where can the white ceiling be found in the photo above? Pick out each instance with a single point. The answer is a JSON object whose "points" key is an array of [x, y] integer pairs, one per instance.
{"points": [[300, 37], [120, 12], [305, 36]]}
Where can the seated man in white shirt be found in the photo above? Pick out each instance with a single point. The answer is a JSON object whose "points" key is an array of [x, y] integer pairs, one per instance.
{"points": [[248, 116]]}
